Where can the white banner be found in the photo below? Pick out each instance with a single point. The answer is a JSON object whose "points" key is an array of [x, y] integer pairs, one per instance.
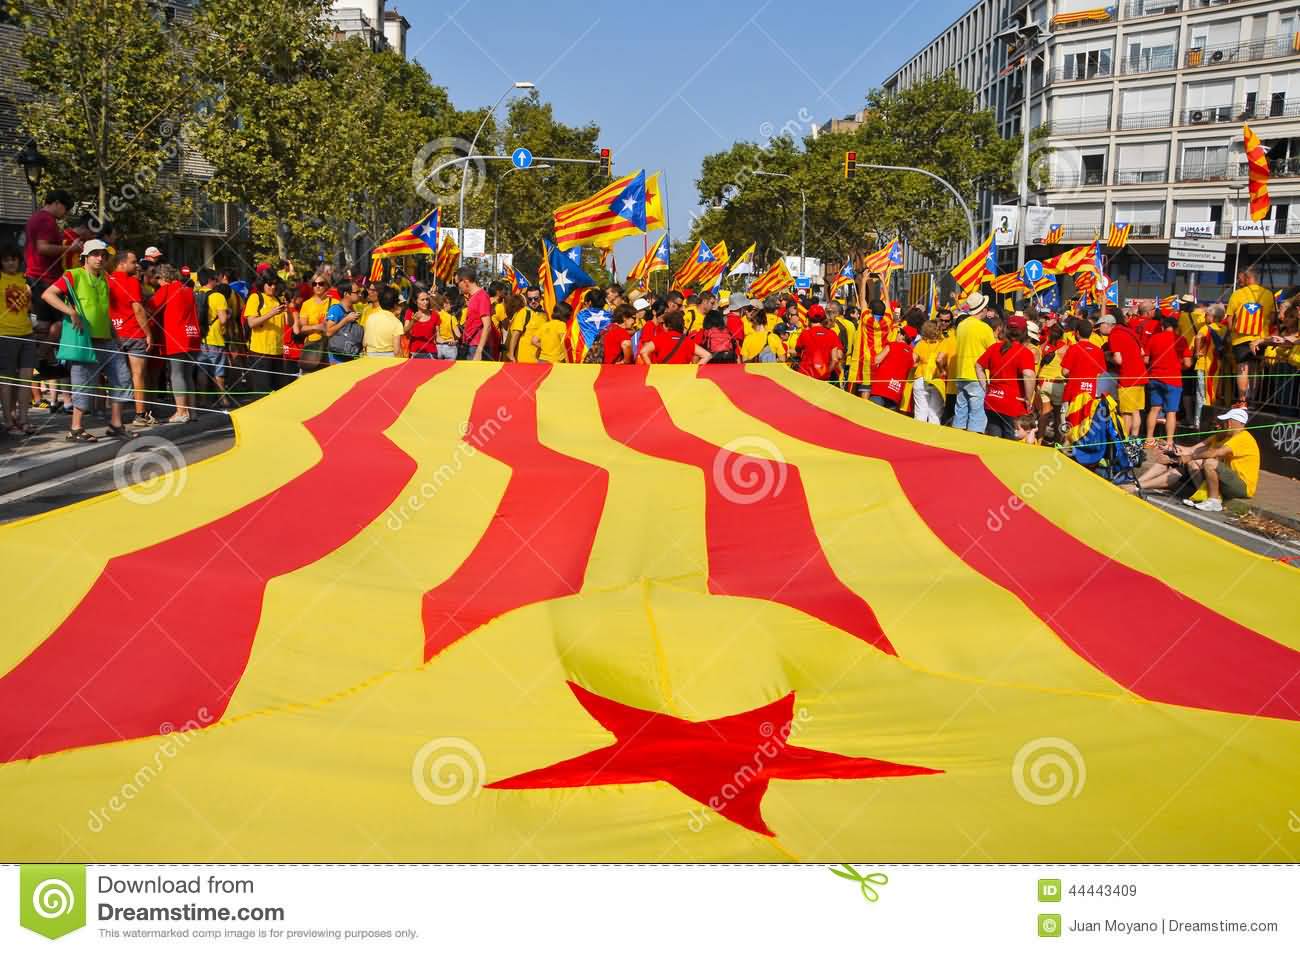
{"points": [[475, 241], [1249, 229], [812, 267], [641, 908], [1195, 229], [1006, 223]]}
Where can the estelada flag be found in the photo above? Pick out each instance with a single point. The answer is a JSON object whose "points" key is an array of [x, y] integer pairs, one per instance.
{"points": [[980, 264], [1257, 167], [627, 206], [710, 274], [656, 259], [775, 280], [420, 239], [560, 279], [699, 259], [551, 618]]}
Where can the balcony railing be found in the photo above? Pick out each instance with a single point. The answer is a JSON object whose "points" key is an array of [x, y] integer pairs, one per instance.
{"points": [[1141, 176], [1205, 172], [1148, 120], [1149, 8], [1098, 123], [1072, 180], [1072, 72], [1267, 48], [1152, 61]]}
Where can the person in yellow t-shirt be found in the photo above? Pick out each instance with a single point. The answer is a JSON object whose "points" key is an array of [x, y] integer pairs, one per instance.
{"points": [[760, 345], [264, 315], [946, 363], [974, 337], [448, 329], [524, 326], [500, 292], [1251, 311], [212, 349], [17, 344], [1227, 464], [383, 328], [549, 339], [927, 396]]}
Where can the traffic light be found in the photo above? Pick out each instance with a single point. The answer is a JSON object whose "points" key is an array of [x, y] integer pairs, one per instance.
{"points": [[605, 161], [850, 164]]}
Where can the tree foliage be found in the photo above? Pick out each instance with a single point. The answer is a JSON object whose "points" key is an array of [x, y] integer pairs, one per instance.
{"points": [[934, 126]]}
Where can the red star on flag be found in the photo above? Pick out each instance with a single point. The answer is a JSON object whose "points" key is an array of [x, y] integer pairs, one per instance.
{"points": [[724, 763]]}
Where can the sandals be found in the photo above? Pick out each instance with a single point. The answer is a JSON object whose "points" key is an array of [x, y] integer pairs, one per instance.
{"points": [[20, 430], [119, 433], [82, 435]]}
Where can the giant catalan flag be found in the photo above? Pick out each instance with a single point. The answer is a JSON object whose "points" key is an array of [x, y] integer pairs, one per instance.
{"points": [[551, 619]]}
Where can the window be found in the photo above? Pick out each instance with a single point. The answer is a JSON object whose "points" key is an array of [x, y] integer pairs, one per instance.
{"points": [[1147, 218], [1094, 168], [1207, 36], [1145, 52], [1081, 111], [1141, 162], [1204, 162], [1208, 102], [1146, 108], [1085, 59], [1080, 221]]}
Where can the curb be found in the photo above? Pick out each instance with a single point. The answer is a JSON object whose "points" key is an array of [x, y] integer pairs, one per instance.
{"points": [[52, 464], [1285, 519]]}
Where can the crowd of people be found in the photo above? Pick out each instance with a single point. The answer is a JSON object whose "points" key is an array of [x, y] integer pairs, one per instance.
{"points": [[85, 325]]}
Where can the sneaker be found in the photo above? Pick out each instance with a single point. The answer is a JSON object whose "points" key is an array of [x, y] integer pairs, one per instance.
{"points": [[143, 421], [1210, 506]]}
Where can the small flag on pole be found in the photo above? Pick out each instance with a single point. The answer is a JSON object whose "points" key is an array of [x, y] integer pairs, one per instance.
{"points": [[978, 265], [1257, 164]]}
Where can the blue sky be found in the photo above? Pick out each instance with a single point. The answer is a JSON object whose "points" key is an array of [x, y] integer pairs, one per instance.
{"points": [[673, 81]]}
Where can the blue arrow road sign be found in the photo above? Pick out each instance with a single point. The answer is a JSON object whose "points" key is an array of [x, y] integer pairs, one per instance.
{"points": [[1034, 271], [521, 158]]}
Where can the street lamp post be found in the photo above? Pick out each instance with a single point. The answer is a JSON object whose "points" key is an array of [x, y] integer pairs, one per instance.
{"points": [[970, 219], [464, 174], [1036, 40], [496, 197], [803, 218], [33, 166]]}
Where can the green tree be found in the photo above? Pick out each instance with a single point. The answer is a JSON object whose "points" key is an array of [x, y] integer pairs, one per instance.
{"points": [[111, 88], [270, 126]]}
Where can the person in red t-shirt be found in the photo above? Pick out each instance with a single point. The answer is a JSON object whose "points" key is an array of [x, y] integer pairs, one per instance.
{"points": [[1006, 370], [1168, 354], [180, 321], [889, 371], [1126, 355], [1082, 364], [479, 331], [818, 350], [618, 335], [131, 327], [672, 345]]}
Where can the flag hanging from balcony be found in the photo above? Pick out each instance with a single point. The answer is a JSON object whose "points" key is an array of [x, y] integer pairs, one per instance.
{"points": [[1055, 235], [1257, 163], [1096, 14], [979, 264], [1119, 233]]}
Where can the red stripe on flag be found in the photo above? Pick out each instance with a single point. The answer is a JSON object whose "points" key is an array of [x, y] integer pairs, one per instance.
{"points": [[173, 651], [739, 521], [529, 553], [1188, 655]]}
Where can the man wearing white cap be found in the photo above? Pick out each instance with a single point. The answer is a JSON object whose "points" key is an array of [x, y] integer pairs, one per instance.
{"points": [[1227, 464], [86, 306]]}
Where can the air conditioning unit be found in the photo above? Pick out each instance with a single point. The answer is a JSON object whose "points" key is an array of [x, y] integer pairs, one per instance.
{"points": [[1216, 56], [1198, 117]]}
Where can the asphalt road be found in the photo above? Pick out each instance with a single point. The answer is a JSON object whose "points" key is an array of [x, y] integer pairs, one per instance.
{"points": [[101, 479]]}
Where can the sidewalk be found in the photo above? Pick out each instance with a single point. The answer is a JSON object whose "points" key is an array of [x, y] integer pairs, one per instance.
{"points": [[1277, 498], [47, 454]]}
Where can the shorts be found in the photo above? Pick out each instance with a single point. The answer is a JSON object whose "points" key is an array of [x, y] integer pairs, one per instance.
{"points": [[181, 371], [1132, 399], [999, 425], [887, 402], [212, 360], [1051, 392], [134, 347], [1164, 395], [111, 363], [1244, 353], [17, 354], [44, 315], [1231, 485]]}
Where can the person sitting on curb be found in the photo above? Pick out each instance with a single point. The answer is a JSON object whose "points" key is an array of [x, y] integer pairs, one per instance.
{"points": [[1227, 464]]}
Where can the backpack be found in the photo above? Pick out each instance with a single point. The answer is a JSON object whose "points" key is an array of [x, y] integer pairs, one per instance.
{"points": [[346, 341], [201, 306], [596, 353], [767, 355], [721, 345]]}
